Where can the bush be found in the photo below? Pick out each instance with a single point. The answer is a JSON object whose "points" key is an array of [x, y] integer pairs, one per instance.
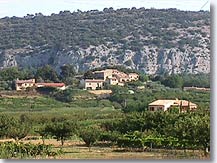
{"points": [[109, 136], [10, 150], [64, 95], [46, 90], [105, 103], [117, 105]]}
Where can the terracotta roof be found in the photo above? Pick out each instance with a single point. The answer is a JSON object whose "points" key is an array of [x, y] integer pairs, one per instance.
{"points": [[133, 74], [172, 102], [94, 80], [25, 81], [184, 103], [121, 75], [197, 88], [51, 84], [106, 70], [162, 102]]}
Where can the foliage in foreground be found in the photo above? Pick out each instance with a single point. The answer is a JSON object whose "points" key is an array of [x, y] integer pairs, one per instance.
{"points": [[162, 130], [20, 150]]}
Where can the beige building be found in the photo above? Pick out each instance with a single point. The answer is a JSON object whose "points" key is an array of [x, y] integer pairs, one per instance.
{"points": [[24, 84], [133, 76], [109, 76], [92, 84], [196, 88], [165, 105], [104, 74], [114, 73], [112, 81]]}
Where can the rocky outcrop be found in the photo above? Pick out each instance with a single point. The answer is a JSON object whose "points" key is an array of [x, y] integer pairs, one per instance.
{"points": [[148, 60]]}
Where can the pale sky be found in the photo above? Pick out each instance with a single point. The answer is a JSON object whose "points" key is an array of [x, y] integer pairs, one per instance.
{"points": [[21, 8]]}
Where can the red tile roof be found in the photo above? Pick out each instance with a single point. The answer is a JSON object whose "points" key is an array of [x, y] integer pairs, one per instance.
{"points": [[25, 81], [94, 81], [51, 84]]}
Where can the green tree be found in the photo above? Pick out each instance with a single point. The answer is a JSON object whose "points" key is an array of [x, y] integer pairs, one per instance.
{"points": [[202, 132], [67, 73], [42, 132], [193, 131], [47, 74], [18, 128], [143, 77], [88, 75], [173, 81], [10, 74], [64, 95], [90, 135], [61, 130], [4, 125]]}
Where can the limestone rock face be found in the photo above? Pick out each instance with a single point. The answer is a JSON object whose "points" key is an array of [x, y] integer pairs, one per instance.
{"points": [[148, 60]]}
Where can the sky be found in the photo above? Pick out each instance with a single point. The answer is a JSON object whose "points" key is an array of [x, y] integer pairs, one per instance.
{"points": [[21, 8]]}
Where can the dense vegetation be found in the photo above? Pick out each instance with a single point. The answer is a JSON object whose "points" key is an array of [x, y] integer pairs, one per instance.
{"points": [[135, 131], [67, 75], [88, 28]]}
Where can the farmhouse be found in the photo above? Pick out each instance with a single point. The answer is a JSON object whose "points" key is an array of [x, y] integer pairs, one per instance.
{"points": [[92, 84], [108, 76], [165, 105], [133, 76], [24, 84], [196, 88]]}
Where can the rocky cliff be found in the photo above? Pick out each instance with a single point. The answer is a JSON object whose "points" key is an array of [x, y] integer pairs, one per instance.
{"points": [[152, 41]]}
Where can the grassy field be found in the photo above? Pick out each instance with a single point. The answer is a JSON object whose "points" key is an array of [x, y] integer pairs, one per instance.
{"points": [[43, 109]]}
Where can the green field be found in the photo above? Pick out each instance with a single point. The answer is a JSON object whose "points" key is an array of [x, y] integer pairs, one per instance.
{"points": [[44, 110]]}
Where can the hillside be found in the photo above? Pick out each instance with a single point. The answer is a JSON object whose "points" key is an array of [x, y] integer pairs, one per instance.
{"points": [[149, 40]]}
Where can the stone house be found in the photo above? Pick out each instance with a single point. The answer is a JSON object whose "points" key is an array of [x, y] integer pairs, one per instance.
{"points": [[92, 84], [165, 105], [24, 84], [108, 76]]}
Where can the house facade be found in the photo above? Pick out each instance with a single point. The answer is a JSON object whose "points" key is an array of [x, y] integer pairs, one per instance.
{"points": [[165, 105], [24, 84], [160, 105], [133, 76], [92, 84], [108, 76]]}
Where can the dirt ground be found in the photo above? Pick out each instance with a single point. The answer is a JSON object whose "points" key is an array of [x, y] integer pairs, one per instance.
{"points": [[77, 150], [100, 92]]}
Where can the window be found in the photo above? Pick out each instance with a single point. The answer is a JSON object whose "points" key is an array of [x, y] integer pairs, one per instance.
{"points": [[151, 108]]}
